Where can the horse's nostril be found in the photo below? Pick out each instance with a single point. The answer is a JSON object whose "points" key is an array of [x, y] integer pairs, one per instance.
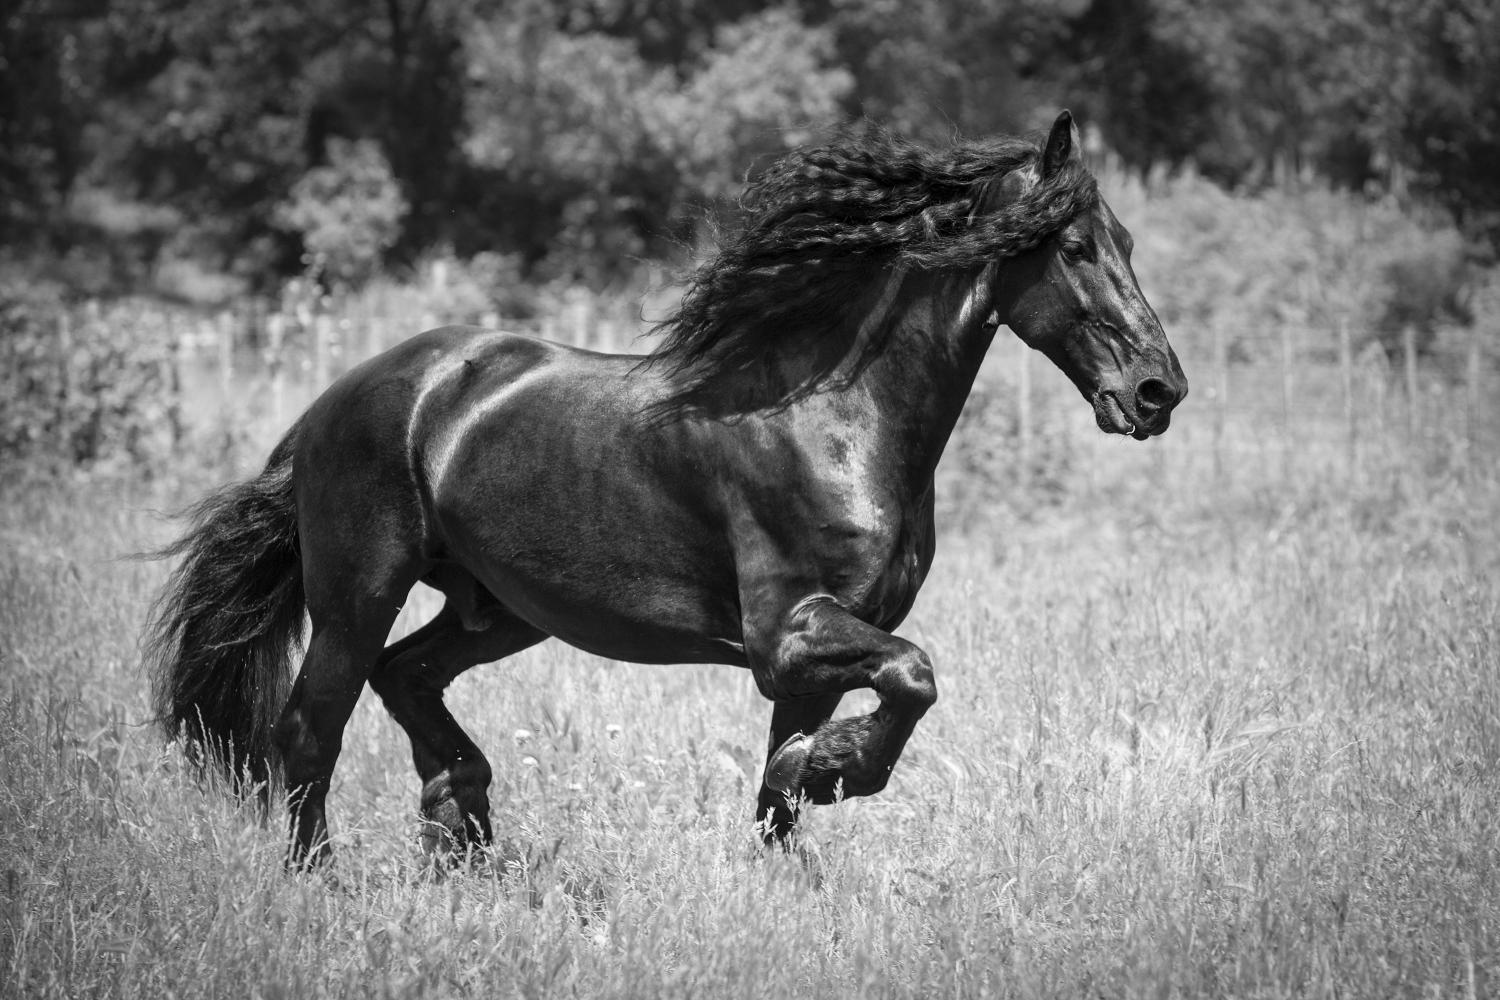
{"points": [[1153, 395]]}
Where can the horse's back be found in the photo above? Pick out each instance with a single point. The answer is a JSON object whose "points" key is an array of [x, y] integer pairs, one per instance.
{"points": [[431, 391], [534, 467]]}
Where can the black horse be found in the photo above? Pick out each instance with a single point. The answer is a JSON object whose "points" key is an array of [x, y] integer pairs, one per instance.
{"points": [[758, 491]]}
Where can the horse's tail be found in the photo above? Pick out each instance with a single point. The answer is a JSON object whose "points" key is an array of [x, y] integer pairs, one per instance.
{"points": [[224, 629]]}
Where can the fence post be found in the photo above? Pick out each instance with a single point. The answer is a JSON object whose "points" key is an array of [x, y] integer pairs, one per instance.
{"points": [[1346, 367], [1286, 377], [64, 382], [1286, 400], [226, 353], [1472, 394], [582, 316], [1409, 358], [275, 367], [1221, 397], [255, 320], [322, 334], [172, 377], [375, 336]]}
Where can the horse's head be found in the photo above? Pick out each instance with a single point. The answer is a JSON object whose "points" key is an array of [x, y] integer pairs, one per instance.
{"points": [[1075, 298]]}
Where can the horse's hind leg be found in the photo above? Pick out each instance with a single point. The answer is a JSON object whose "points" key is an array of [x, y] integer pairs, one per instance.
{"points": [[410, 677], [348, 630]]}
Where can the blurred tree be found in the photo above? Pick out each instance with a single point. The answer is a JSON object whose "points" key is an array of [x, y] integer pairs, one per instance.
{"points": [[1448, 108], [576, 133], [1143, 74], [769, 83], [561, 121], [212, 122], [217, 107], [932, 67], [672, 33], [599, 152], [348, 212], [42, 100]]}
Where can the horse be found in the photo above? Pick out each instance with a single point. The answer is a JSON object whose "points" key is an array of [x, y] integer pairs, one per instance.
{"points": [[756, 491]]}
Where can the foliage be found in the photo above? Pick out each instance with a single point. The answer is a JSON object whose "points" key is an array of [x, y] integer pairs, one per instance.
{"points": [[576, 136], [562, 121], [995, 469], [1444, 118], [1246, 266], [614, 151], [929, 68], [446, 289], [348, 212], [74, 393], [1427, 287], [767, 85], [42, 113]]}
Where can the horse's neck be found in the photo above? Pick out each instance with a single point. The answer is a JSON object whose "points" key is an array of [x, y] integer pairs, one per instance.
{"points": [[919, 382]]}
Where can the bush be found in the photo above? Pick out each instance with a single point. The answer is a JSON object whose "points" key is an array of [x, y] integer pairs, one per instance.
{"points": [[77, 390], [1246, 266], [989, 467], [444, 288], [348, 211], [1426, 288]]}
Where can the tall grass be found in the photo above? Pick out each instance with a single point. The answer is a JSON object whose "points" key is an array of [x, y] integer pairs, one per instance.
{"points": [[1219, 714], [1195, 738]]}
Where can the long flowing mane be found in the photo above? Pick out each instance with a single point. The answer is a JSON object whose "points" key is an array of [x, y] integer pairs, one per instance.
{"points": [[820, 230]]}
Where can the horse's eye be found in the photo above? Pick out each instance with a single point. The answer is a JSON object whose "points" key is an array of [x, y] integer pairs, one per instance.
{"points": [[1076, 253]]}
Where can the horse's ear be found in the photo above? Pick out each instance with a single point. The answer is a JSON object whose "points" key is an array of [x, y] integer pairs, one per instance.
{"points": [[1063, 146]]}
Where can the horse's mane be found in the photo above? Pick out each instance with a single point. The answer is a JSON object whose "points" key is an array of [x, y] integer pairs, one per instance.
{"points": [[822, 229]]}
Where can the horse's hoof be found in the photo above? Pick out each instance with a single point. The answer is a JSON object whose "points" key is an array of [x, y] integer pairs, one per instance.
{"points": [[784, 769], [436, 839]]}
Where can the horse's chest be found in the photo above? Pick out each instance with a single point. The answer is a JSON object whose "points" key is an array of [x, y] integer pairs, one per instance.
{"points": [[879, 568], [904, 572]]}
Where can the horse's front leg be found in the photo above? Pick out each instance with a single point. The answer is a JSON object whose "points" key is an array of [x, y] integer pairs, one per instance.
{"points": [[819, 652], [775, 812]]}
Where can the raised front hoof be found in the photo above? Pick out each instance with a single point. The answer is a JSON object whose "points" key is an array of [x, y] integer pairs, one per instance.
{"points": [[785, 769], [809, 769]]}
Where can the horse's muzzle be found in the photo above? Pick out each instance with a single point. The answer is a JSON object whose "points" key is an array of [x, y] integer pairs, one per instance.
{"points": [[1154, 400], [1148, 411]]}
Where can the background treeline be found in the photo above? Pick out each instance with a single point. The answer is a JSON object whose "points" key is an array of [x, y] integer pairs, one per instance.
{"points": [[202, 149]]}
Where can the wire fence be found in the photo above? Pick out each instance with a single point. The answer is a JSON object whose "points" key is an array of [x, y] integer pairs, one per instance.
{"points": [[1264, 405], [1281, 405], [276, 361]]}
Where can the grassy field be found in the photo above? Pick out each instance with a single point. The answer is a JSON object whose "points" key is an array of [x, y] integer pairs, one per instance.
{"points": [[1199, 734]]}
